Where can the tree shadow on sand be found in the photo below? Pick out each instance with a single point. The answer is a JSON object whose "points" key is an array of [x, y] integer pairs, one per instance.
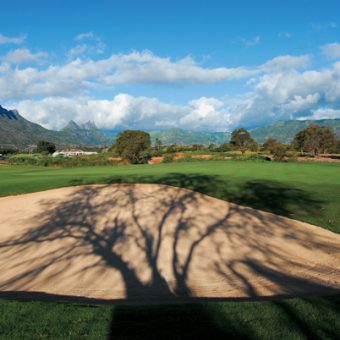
{"points": [[131, 244]]}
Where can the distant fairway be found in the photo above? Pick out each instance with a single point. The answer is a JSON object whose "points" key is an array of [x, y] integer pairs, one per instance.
{"points": [[308, 192]]}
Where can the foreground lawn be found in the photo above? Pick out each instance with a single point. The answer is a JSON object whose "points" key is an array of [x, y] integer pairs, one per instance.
{"points": [[308, 192], [308, 318]]}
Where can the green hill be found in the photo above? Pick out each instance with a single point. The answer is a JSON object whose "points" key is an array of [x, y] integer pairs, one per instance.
{"points": [[187, 137], [87, 133], [18, 132], [284, 131]]}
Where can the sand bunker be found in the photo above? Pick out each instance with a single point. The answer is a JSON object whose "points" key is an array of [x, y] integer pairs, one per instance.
{"points": [[157, 243]]}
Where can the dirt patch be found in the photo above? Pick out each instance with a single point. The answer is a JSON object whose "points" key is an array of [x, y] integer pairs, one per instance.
{"points": [[202, 156], [321, 158], [155, 160], [149, 242]]}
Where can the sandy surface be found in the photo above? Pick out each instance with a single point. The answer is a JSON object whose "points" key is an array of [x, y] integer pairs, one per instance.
{"points": [[157, 243]]}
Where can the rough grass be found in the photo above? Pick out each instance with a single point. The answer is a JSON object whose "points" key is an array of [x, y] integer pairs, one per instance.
{"points": [[307, 192]]}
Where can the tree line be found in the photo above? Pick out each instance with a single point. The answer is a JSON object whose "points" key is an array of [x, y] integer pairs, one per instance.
{"points": [[135, 145]]}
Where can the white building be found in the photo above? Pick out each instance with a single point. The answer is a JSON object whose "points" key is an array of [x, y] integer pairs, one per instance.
{"points": [[72, 153]]}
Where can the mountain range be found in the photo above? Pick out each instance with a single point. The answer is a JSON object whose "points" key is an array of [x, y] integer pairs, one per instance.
{"points": [[285, 130], [187, 137], [18, 132], [282, 131]]}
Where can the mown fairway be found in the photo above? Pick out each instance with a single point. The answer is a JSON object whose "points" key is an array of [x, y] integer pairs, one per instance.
{"points": [[307, 192]]}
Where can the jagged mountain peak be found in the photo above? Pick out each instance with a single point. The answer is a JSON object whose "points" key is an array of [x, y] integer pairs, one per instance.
{"points": [[18, 132], [72, 125], [10, 114], [90, 125]]}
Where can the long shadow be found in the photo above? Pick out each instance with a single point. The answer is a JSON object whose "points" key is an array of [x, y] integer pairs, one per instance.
{"points": [[185, 321], [76, 219], [266, 195]]}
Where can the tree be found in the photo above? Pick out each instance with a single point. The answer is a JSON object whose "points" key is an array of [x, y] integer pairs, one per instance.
{"points": [[44, 146], [314, 138], [132, 144], [270, 144], [197, 147], [158, 144], [242, 140], [212, 147], [279, 151], [225, 147]]}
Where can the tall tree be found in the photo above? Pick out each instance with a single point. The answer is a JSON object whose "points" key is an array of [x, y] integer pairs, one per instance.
{"points": [[158, 144], [315, 139], [132, 144], [270, 144], [242, 140], [44, 146]]}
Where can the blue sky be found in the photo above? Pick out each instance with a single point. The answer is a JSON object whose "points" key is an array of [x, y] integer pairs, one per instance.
{"points": [[204, 65]]}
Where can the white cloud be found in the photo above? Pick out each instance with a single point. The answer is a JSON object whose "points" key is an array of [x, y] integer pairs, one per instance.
{"points": [[206, 113], [23, 55], [123, 111], [331, 51], [83, 36], [251, 42], [323, 113], [93, 45], [286, 62], [280, 88], [12, 40], [289, 95], [146, 67], [86, 49], [79, 75]]}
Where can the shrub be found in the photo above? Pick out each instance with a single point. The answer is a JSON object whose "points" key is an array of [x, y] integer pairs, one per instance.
{"points": [[168, 158], [279, 152]]}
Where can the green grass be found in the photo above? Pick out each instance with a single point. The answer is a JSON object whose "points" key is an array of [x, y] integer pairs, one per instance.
{"points": [[307, 192], [307, 318]]}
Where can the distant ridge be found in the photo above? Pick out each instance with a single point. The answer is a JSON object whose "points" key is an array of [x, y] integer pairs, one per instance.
{"points": [[18, 132], [284, 131], [188, 137]]}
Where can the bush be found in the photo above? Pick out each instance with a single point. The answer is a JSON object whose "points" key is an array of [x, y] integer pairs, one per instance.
{"points": [[279, 152], [46, 147], [66, 162], [168, 158]]}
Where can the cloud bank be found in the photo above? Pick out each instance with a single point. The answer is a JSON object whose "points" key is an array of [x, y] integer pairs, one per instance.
{"points": [[49, 93]]}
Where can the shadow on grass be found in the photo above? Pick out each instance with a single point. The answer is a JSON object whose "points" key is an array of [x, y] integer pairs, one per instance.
{"points": [[304, 318], [186, 321], [265, 195]]}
